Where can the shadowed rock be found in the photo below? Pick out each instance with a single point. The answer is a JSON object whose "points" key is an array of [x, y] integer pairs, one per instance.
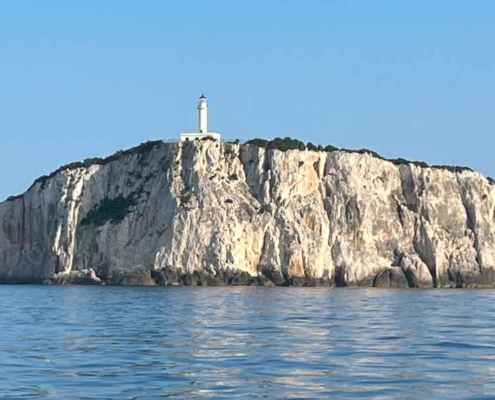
{"points": [[390, 278]]}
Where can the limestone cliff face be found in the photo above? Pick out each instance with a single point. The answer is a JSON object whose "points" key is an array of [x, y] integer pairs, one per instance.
{"points": [[206, 212]]}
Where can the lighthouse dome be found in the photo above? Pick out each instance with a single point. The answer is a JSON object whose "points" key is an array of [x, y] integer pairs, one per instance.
{"points": [[203, 103]]}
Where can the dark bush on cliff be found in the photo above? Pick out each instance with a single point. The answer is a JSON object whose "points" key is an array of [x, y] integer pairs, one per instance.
{"points": [[14, 198], [402, 161], [258, 142], [286, 144], [453, 168], [282, 144], [109, 210], [310, 146]]}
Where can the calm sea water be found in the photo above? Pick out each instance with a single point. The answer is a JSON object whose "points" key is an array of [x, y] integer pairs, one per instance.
{"points": [[82, 342]]}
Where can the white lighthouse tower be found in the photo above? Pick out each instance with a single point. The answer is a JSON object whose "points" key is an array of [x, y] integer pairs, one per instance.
{"points": [[203, 114], [202, 124]]}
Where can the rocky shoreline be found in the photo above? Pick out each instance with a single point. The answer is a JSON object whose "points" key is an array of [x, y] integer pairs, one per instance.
{"points": [[389, 278]]}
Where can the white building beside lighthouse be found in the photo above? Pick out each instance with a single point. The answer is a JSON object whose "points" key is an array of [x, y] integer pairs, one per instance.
{"points": [[202, 124]]}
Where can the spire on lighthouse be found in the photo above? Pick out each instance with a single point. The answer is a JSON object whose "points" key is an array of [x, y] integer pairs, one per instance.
{"points": [[202, 123]]}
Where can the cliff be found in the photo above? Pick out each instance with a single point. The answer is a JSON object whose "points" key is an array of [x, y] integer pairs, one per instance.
{"points": [[210, 213]]}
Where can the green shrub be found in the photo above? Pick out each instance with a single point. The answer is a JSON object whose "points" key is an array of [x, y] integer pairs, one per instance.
{"points": [[282, 144], [310, 146], [365, 151], [109, 210], [452, 168], [286, 144], [14, 198], [258, 142], [402, 161], [330, 148]]}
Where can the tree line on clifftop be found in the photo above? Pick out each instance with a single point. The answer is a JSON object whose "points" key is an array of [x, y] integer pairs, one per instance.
{"points": [[287, 143]]}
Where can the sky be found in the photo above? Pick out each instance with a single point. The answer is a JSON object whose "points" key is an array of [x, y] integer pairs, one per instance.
{"points": [[412, 79]]}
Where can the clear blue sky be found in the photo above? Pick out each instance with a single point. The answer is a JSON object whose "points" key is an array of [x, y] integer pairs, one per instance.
{"points": [[79, 79]]}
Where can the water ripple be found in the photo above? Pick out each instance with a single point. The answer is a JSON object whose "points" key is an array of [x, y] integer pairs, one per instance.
{"points": [[75, 342]]}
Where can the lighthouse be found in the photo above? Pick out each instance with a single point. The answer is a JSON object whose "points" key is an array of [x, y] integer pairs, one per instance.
{"points": [[202, 123], [203, 114]]}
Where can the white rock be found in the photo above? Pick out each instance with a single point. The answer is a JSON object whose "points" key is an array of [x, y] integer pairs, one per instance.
{"points": [[212, 207]]}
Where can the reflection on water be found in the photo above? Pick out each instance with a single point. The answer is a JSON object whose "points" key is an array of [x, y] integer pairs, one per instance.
{"points": [[191, 343]]}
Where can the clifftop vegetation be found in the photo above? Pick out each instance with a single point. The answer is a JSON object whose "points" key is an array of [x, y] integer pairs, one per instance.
{"points": [[282, 144], [285, 144], [143, 148]]}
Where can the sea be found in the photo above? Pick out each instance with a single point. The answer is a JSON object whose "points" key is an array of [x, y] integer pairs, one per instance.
{"points": [[97, 342]]}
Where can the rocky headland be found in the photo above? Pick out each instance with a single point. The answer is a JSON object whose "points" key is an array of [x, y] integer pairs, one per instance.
{"points": [[258, 213]]}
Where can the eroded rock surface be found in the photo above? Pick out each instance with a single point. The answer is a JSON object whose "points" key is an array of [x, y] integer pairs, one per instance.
{"points": [[210, 213]]}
